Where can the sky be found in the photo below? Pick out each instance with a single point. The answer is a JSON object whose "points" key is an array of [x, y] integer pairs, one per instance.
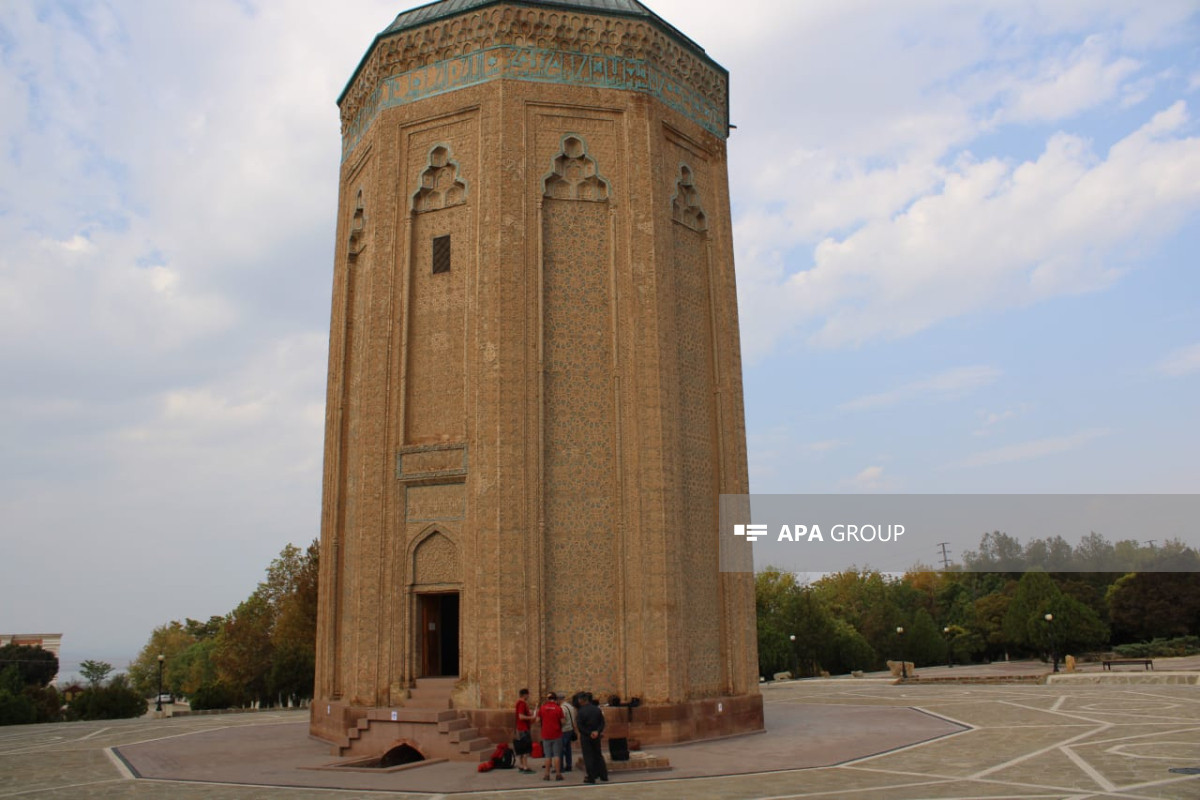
{"points": [[966, 241]]}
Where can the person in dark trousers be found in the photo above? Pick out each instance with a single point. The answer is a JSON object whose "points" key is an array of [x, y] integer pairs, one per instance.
{"points": [[591, 732], [569, 734]]}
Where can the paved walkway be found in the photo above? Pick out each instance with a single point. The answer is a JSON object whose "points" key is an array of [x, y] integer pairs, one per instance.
{"points": [[1068, 741]]}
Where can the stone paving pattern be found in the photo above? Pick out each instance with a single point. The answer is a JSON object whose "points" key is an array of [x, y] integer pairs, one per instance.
{"points": [[1068, 740]]}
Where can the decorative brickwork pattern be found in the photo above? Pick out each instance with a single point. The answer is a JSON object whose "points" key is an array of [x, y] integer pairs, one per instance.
{"points": [[505, 35], [435, 503], [582, 627], [436, 561], [698, 460]]}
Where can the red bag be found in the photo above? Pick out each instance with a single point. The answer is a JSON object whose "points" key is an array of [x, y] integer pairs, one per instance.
{"points": [[485, 766], [537, 750]]}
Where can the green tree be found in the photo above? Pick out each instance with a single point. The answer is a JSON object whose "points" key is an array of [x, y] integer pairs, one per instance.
{"points": [[243, 648], [16, 708], [774, 592], [1077, 628], [866, 600], [194, 668], [924, 644], [990, 612], [95, 672], [1036, 595], [848, 649], [35, 666], [168, 640], [998, 552], [1149, 605], [963, 644], [294, 639]]}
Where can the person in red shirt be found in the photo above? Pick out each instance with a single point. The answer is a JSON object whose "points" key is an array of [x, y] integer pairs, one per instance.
{"points": [[523, 743], [551, 715]]}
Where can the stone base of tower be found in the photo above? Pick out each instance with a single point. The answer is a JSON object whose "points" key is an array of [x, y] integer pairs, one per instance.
{"points": [[667, 723], [650, 724], [329, 720]]}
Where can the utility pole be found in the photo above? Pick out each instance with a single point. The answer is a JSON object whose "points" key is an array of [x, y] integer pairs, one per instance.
{"points": [[945, 555]]}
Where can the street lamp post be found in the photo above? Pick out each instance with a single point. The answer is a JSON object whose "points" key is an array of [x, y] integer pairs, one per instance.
{"points": [[1053, 649], [949, 650], [158, 700], [903, 663], [795, 657]]}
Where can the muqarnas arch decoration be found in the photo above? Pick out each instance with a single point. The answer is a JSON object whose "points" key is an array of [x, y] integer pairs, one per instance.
{"points": [[440, 185]]}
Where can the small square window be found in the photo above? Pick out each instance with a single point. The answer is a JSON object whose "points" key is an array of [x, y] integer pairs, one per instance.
{"points": [[441, 254]]}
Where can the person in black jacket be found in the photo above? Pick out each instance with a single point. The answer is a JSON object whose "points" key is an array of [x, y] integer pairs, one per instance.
{"points": [[591, 732]]}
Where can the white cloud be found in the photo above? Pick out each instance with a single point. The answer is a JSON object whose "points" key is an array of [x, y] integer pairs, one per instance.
{"points": [[946, 385], [1062, 88], [991, 420], [870, 479], [1183, 361], [995, 235], [1028, 451]]}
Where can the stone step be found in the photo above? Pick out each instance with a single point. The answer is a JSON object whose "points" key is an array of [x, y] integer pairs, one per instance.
{"points": [[476, 745], [463, 734], [454, 725], [408, 714], [420, 698]]}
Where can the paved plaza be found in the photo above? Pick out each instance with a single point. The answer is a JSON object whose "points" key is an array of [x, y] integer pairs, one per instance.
{"points": [[1087, 736]]}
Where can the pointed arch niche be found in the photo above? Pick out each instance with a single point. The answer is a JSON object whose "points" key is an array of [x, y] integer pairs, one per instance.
{"points": [[685, 204], [579, 462], [439, 185]]}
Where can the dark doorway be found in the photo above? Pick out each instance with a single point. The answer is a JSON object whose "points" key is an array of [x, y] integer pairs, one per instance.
{"points": [[439, 634]]}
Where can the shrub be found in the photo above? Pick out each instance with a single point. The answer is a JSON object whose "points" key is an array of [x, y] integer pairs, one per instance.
{"points": [[16, 709], [1160, 648], [114, 701], [214, 696]]}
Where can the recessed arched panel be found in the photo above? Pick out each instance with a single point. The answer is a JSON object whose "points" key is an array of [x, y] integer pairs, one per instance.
{"points": [[436, 560]]}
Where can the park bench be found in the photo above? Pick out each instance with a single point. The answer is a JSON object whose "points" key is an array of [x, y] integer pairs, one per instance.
{"points": [[1148, 663]]}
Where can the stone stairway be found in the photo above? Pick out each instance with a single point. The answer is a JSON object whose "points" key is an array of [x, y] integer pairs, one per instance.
{"points": [[425, 722]]}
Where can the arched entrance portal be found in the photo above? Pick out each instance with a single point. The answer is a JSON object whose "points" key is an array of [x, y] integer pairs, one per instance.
{"points": [[437, 581]]}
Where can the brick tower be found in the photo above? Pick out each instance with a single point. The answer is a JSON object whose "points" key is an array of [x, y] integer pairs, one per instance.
{"points": [[534, 393]]}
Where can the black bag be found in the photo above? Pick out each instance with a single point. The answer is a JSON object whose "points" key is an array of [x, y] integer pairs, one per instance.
{"points": [[574, 736], [618, 748], [508, 760]]}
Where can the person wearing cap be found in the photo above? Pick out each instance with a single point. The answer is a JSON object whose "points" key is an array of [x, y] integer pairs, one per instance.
{"points": [[551, 715]]}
